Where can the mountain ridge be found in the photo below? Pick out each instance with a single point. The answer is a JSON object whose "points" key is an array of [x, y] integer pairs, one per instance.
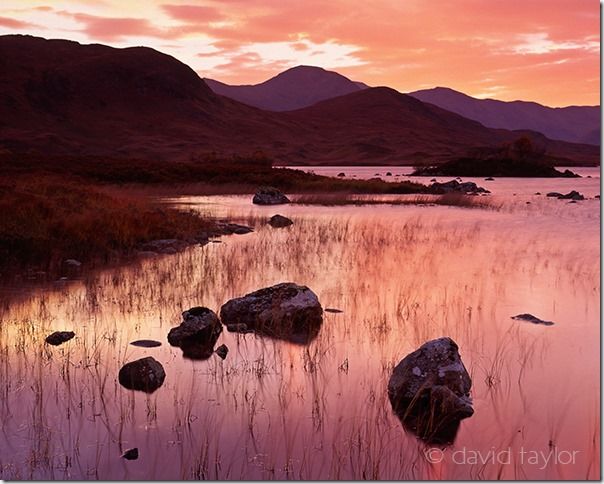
{"points": [[578, 124], [62, 97]]}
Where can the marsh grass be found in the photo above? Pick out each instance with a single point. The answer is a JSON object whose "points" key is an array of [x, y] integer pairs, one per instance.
{"points": [[43, 221], [273, 410], [451, 199]]}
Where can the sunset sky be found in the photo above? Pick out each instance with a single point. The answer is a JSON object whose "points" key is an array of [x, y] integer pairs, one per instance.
{"points": [[538, 50]]}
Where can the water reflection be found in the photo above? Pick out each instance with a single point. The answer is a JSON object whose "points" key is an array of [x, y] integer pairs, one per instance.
{"points": [[277, 410]]}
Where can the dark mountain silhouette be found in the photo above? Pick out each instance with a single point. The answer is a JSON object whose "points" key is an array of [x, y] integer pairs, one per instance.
{"points": [[294, 88], [59, 97], [577, 124]]}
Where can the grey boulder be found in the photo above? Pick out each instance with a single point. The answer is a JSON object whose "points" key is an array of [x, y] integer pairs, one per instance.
{"points": [[269, 196], [285, 311], [430, 391]]}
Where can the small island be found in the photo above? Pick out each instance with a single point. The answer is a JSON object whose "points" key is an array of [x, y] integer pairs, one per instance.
{"points": [[518, 159]]}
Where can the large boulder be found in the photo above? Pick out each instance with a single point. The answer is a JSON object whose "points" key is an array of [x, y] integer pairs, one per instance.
{"points": [[197, 333], [430, 391], [146, 375], [269, 196], [285, 311], [455, 186]]}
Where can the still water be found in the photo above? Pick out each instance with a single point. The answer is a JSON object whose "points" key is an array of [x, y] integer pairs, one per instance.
{"points": [[273, 409]]}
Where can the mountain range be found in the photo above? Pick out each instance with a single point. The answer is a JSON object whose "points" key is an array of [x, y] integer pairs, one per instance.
{"points": [[578, 124], [62, 97], [304, 86]]}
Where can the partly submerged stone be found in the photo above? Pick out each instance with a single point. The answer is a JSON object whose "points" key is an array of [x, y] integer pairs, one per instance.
{"points": [[222, 351], [279, 221], [131, 454], [269, 196], [197, 333], [146, 375], [529, 318], [333, 310], [572, 195], [285, 311], [146, 343], [59, 337], [430, 391]]}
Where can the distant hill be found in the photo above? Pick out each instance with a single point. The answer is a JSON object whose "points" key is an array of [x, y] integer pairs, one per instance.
{"points": [[64, 98], [577, 124], [294, 88]]}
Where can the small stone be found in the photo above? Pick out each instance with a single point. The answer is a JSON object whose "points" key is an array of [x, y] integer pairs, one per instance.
{"points": [[131, 454], [146, 343], [279, 221], [146, 375], [59, 337], [222, 351], [333, 310], [529, 318]]}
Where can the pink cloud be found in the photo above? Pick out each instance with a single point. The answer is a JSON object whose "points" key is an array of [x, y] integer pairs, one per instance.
{"points": [[193, 13], [12, 23]]}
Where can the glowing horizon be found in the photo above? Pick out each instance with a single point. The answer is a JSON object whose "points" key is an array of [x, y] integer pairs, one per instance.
{"points": [[547, 52]]}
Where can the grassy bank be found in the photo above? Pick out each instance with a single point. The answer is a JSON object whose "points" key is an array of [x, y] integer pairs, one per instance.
{"points": [[46, 220], [210, 176], [84, 208]]}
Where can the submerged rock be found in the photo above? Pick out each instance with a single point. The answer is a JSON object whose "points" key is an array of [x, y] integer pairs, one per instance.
{"points": [[222, 351], [146, 375], [59, 337], [279, 221], [71, 268], [146, 343], [430, 391], [529, 318], [285, 311], [164, 246], [228, 228], [269, 196], [131, 454], [197, 334], [333, 310]]}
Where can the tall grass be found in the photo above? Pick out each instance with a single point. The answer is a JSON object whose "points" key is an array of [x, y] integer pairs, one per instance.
{"points": [[450, 199]]}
